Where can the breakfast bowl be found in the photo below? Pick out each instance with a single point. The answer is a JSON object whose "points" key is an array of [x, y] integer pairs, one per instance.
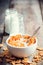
{"points": [[19, 46]]}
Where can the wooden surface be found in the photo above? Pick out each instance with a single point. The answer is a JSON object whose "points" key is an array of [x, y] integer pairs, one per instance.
{"points": [[29, 26], [7, 59]]}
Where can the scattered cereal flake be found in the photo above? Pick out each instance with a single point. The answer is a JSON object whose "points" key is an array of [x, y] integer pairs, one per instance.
{"points": [[41, 58], [7, 56], [26, 60], [1, 45], [19, 64], [36, 60], [12, 58], [36, 57], [5, 48], [41, 53], [13, 62], [1, 55], [18, 61], [40, 49], [6, 52], [33, 63], [8, 60]]}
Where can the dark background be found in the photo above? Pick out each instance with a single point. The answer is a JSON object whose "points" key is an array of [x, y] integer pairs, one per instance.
{"points": [[4, 4]]}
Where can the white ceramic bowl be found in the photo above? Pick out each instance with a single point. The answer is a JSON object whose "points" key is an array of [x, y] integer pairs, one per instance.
{"points": [[22, 52]]}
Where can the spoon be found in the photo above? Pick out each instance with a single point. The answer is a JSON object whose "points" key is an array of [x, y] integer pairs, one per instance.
{"points": [[34, 33]]}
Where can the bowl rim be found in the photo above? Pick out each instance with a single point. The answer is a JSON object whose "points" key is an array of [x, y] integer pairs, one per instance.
{"points": [[19, 47]]}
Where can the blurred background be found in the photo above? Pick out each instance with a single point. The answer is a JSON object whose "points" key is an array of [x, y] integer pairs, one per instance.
{"points": [[32, 11]]}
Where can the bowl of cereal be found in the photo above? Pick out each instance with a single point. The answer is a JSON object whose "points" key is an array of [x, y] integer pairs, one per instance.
{"points": [[19, 46]]}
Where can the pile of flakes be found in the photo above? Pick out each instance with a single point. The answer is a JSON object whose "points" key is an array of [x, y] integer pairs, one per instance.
{"points": [[6, 57]]}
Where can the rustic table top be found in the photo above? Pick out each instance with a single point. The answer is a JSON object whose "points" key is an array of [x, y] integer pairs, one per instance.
{"points": [[5, 60]]}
